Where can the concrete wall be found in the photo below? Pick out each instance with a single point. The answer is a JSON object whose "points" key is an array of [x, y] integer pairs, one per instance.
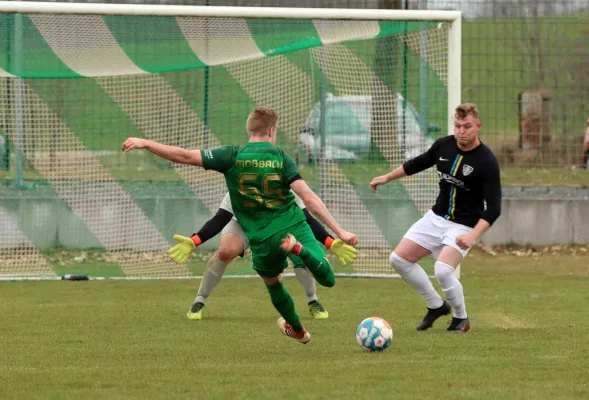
{"points": [[48, 223], [540, 222]]}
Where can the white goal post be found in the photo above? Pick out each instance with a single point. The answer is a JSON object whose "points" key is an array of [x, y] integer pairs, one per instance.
{"points": [[80, 76]]}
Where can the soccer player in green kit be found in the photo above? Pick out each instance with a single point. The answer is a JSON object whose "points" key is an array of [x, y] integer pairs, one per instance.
{"points": [[258, 177]]}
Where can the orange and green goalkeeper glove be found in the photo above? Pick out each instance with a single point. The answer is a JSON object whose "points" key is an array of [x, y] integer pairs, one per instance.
{"points": [[180, 252], [345, 253]]}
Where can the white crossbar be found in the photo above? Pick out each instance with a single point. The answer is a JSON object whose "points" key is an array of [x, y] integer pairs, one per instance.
{"points": [[225, 12]]}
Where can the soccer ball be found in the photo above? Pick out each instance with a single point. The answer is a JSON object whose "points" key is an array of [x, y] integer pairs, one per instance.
{"points": [[374, 334]]}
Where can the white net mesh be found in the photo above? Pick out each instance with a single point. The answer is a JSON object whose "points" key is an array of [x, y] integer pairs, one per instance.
{"points": [[70, 202]]}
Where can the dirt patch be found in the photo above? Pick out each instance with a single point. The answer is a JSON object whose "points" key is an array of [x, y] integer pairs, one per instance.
{"points": [[504, 321]]}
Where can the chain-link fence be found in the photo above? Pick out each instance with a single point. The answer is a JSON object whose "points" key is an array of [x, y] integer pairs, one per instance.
{"points": [[525, 63]]}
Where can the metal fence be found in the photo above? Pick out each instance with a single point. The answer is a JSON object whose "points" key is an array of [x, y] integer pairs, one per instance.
{"points": [[525, 63]]}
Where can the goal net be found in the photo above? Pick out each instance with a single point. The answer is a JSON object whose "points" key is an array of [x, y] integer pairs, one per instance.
{"points": [[357, 93]]}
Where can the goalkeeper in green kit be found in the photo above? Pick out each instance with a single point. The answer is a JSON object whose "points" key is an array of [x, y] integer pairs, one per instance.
{"points": [[259, 176]]}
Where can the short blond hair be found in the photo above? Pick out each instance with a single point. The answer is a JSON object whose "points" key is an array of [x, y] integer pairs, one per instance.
{"points": [[466, 109], [261, 119]]}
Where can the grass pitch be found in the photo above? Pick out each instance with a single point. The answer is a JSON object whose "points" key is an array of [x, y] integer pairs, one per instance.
{"points": [[113, 339]]}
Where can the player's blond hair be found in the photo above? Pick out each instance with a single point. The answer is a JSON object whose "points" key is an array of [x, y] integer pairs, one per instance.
{"points": [[466, 109], [260, 120]]}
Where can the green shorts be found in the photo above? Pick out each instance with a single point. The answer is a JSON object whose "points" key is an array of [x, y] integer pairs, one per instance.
{"points": [[270, 260]]}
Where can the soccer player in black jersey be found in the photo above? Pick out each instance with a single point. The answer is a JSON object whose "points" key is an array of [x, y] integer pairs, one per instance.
{"points": [[467, 205]]}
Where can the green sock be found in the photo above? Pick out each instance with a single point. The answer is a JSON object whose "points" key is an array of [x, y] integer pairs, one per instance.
{"points": [[319, 267], [285, 306]]}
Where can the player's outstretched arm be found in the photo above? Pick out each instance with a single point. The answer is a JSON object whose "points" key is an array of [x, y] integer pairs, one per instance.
{"points": [[345, 253], [395, 174], [410, 167], [170, 153], [318, 208], [319, 231], [180, 252]]}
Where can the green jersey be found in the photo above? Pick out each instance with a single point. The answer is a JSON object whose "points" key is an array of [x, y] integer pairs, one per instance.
{"points": [[258, 177]]}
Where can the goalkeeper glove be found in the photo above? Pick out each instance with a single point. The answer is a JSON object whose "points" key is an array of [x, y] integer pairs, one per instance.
{"points": [[345, 253], [180, 252]]}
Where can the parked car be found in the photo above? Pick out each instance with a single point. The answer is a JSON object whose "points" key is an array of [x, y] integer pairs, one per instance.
{"points": [[348, 130]]}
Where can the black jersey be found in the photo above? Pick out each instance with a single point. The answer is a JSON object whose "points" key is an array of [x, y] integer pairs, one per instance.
{"points": [[470, 186]]}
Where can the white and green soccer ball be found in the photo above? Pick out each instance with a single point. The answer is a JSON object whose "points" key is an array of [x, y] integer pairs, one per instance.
{"points": [[374, 334]]}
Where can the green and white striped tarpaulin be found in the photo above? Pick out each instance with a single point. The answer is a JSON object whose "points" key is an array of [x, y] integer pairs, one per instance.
{"points": [[71, 46]]}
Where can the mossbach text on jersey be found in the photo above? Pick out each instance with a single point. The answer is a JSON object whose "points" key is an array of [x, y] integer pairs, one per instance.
{"points": [[258, 163]]}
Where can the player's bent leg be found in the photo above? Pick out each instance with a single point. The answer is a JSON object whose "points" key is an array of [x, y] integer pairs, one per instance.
{"points": [[230, 246], [444, 269], [316, 262], [289, 322], [307, 281], [301, 243], [416, 277], [411, 251], [403, 260], [269, 262]]}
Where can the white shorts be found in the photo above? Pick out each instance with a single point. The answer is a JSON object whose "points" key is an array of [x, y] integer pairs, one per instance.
{"points": [[234, 227], [434, 232]]}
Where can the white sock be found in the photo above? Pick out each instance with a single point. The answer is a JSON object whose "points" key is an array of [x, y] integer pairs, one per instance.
{"points": [[452, 288], [212, 276], [307, 281], [416, 277]]}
